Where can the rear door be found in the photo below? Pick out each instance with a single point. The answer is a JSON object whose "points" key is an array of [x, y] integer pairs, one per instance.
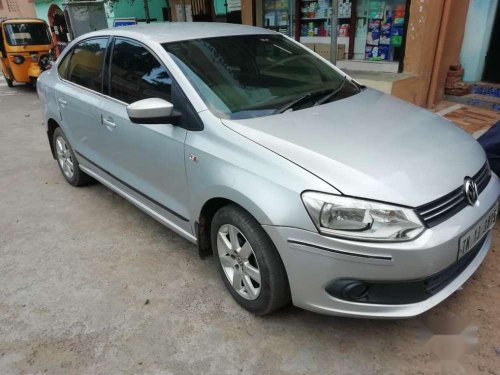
{"points": [[79, 96], [147, 158]]}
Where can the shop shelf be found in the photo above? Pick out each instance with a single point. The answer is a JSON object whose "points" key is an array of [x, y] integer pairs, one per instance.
{"points": [[315, 19]]}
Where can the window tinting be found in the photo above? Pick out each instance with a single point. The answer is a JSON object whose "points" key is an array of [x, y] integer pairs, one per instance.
{"points": [[136, 74], [62, 68], [86, 65]]}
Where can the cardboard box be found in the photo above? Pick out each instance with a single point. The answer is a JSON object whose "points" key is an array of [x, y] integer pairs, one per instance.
{"points": [[323, 50], [340, 51], [311, 46]]}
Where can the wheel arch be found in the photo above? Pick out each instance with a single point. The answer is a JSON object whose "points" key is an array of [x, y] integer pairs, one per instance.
{"points": [[52, 125], [208, 212], [214, 203]]}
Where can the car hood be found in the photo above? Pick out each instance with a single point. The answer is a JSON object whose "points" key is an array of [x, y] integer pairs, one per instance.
{"points": [[372, 145]]}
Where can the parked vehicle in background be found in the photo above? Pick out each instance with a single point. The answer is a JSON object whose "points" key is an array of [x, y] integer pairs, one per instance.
{"points": [[305, 185], [25, 49]]}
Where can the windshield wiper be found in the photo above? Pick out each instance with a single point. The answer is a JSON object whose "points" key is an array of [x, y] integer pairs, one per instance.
{"points": [[333, 94], [301, 100]]}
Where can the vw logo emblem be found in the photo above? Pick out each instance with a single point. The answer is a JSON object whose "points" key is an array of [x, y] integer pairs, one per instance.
{"points": [[470, 191]]}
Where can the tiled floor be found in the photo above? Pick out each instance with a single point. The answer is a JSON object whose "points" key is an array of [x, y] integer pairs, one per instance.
{"points": [[472, 119], [483, 94]]}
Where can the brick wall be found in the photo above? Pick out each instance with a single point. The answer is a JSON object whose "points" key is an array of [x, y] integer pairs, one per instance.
{"points": [[17, 8]]}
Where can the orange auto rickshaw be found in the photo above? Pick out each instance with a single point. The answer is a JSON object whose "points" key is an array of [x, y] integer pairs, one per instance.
{"points": [[25, 49]]}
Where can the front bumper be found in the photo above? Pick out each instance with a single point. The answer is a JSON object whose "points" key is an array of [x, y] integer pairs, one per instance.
{"points": [[312, 261], [34, 70]]}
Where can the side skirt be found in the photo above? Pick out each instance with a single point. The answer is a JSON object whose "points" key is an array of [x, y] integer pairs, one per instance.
{"points": [[137, 200]]}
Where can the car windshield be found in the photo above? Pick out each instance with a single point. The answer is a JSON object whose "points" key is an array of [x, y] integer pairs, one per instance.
{"points": [[257, 75], [27, 33]]}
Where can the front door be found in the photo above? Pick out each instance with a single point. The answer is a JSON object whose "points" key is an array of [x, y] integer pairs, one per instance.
{"points": [[147, 158]]}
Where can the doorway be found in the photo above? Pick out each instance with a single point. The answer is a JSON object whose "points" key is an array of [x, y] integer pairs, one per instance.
{"points": [[202, 10], [491, 70], [58, 28]]}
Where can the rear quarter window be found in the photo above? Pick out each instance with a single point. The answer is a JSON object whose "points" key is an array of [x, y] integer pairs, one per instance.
{"points": [[63, 65]]}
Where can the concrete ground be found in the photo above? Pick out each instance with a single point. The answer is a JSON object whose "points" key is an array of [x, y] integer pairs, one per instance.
{"points": [[91, 285]]}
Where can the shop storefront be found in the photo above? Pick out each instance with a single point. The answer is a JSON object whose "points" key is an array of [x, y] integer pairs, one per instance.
{"points": [[368, 31]]}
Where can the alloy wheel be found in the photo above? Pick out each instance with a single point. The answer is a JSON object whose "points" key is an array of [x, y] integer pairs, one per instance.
{"points": [[239, 262], [64, 157]]}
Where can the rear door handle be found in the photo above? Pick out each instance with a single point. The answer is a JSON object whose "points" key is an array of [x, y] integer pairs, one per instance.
{"points": [[108, 122]]}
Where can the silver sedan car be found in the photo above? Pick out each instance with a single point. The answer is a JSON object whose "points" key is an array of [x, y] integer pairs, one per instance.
{"points": [[305, 185]]}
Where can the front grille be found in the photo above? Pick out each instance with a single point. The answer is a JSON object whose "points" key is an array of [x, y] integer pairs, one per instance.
{"points": [[443, 208]]}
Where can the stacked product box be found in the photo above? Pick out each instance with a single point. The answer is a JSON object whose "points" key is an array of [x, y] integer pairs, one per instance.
{"points": [[385, 36], [375, 16], [276, 15], [345, 8], [314, 18], [385, 30], [398, 26]]}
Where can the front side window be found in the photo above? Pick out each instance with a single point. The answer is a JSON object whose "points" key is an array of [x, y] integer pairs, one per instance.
{"points": [[255, 75], [136, 74], [23, 34], [85, 68]]}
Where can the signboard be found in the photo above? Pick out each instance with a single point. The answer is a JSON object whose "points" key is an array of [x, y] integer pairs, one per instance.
{"points": [[233, 5], [117, 22]]}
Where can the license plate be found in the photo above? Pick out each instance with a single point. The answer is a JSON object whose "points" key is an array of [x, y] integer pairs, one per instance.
{"points": [[472, 237]]}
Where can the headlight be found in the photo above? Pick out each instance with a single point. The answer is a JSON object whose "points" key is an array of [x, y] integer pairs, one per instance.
{"points": [[17, 59], [359, 219]]}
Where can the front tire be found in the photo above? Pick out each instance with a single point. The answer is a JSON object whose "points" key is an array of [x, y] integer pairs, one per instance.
{"points": [[66, 160], [248, 261], [10, 82]]}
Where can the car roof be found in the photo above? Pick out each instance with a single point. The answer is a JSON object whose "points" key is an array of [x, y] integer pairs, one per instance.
{"points": [[22, 20], [164, 32]]}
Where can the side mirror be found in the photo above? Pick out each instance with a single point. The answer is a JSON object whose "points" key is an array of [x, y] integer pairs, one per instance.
{"points": [[152, 111]]}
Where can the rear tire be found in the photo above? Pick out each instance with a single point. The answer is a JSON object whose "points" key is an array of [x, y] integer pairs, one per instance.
{"points": [[66, 160], [248, 261]]}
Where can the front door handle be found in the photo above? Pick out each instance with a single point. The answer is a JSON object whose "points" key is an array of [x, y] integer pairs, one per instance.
{"points": [[108, 122], [62, 101]]}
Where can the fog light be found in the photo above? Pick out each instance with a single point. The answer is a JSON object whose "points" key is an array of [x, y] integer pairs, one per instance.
{"points": [[351, 290], [355, 290]]}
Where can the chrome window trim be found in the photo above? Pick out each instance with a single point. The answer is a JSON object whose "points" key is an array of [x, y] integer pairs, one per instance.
{"points": [[70, 51], [111, 39]]}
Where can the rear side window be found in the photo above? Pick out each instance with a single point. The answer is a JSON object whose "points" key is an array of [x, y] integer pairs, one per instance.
{"points": [[136, 74], [62, 68], [85, 67]]}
